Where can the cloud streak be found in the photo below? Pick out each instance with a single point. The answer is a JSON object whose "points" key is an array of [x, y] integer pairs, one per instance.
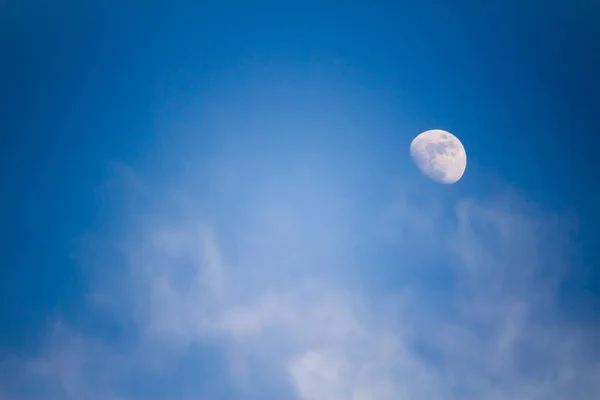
{"points": [[494, 332]]}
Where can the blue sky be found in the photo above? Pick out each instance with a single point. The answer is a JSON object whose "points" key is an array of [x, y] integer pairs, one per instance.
{"points": [[216, 201]]}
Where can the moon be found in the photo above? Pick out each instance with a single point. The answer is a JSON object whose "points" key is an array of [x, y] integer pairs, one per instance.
{"points": [[439, 155]]}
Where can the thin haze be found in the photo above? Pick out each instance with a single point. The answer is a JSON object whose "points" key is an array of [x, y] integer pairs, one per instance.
{"points": [[218, 202]]}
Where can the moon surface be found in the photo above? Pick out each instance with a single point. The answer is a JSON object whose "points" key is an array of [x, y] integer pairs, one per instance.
{"points": [[439, 155]]}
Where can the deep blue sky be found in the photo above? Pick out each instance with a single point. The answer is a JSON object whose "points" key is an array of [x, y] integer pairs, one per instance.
{"points": [[88, 88]]}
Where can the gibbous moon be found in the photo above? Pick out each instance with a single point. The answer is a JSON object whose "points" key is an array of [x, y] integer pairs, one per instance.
{"points": [[439, 155]]}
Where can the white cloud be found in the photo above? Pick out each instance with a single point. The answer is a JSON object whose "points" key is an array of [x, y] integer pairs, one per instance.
{"points": [[494, 334]]}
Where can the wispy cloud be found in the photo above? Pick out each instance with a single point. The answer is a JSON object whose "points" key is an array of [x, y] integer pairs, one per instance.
{"points": [[492, 332]]}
